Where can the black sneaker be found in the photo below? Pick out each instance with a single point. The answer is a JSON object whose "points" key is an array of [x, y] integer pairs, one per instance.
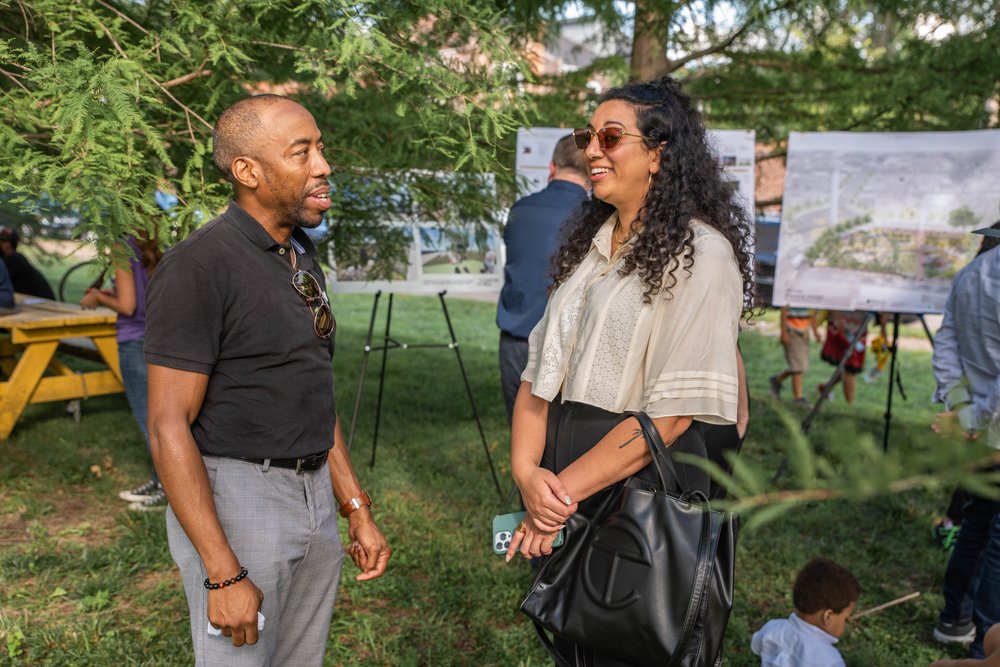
{"points": [[157, 501], [140, 493], [955, 633], [775, 386]]}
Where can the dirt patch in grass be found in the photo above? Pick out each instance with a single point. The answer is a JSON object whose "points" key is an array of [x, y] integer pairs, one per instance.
{"points": [[133, 605], [13, 530], [82, 517]]}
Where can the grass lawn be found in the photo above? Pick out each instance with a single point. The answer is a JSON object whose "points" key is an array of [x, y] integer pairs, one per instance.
{"points": [[84, 582]]}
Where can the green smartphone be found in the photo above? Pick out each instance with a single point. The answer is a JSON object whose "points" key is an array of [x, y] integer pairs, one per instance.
{"points": [[503, 531]]}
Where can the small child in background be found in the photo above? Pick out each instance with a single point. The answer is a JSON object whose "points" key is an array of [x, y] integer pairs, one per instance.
{"points": [[796, 323], [824, 596]]}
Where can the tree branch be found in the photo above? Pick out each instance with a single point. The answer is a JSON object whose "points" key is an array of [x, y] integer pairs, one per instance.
{"points": [[186, 78], [776, 153], [13, 78], [114, 42], [897, 486], [176, 101], [24, 15], [724, 44], [122, 15], [277, 46]]}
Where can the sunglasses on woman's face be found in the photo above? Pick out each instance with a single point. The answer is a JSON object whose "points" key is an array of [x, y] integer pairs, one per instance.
{"points": [[306, 284], [607, 137]]}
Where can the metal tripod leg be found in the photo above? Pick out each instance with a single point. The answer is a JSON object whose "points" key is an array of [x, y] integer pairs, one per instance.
{"points": [[468, 390], [892, 380], [381, 378], [364, 369]]}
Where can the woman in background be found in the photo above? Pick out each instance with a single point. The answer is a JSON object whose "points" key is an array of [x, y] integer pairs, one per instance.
{"points": [[127, 298]]}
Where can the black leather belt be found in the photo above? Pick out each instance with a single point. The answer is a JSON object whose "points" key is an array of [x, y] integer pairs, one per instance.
{"points": [[304, 464]]}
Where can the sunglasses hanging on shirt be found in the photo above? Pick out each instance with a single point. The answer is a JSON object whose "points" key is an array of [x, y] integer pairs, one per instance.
{"points": [[309, 289]]}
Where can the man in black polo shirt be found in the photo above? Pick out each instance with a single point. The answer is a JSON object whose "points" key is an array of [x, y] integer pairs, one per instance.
{"points": [[242, 425], [24, 276]]}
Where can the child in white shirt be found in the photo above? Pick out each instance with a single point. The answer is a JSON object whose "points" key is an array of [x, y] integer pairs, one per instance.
{"points": [[824, 596]]}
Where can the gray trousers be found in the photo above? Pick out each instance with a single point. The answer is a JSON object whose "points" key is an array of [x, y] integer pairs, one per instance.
{"points": [[283, 529], [513, 359]]}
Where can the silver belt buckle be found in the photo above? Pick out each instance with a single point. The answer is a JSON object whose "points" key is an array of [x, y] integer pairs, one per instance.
{"points": [[298, 466]]}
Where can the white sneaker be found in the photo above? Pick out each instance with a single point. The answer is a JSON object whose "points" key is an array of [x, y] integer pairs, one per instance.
{"points": [[142, 492], [157, 501]]}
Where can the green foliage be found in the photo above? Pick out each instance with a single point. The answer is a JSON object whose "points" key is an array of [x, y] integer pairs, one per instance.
{"points": [[829, 240], [104, 102], [963, 217], [778, 66]]}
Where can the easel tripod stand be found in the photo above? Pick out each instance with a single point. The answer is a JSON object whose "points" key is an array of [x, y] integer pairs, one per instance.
{"points": [[390, 343]]}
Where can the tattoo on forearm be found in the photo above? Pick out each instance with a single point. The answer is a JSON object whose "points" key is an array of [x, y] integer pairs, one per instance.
{"points": [[636, 434]]}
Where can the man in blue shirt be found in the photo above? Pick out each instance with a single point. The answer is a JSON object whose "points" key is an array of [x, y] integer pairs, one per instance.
{"points": [[967, 370], [532, 237]]}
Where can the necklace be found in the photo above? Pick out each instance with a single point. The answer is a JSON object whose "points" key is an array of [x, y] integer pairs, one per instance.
{"points": [[614, 233], [625, 236]]}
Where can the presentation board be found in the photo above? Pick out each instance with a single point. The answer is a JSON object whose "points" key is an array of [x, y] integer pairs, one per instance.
{"points": [[881, 221], [457, 259]]}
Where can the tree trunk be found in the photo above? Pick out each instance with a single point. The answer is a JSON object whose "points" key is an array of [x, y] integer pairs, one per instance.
{"points": [[649, 40]]}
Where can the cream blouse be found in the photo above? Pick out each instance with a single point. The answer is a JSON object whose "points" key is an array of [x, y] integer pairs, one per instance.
{"points": [[598, 343]]}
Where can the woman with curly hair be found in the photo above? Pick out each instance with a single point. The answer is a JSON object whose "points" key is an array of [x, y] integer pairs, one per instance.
{"points": [[650, 283]]}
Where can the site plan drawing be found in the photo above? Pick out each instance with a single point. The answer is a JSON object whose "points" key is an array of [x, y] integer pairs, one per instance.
{"points": [[882, 221]]}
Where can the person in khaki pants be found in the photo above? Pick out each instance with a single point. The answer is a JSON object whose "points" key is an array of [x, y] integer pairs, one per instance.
{"points": [[795, 326]]}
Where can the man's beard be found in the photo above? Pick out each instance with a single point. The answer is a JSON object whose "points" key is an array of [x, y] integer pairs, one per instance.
{"points": [[295, 212], [298, 216]]}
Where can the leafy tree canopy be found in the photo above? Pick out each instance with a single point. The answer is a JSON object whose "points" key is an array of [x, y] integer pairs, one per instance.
{"points": [[794, 65], [104, 101]]}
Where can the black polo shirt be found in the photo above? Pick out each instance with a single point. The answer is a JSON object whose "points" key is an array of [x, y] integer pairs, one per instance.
{"points": [[222, 303]]}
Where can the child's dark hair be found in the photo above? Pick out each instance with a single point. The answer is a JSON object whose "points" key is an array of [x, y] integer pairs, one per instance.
{"points": [[822, 584]]}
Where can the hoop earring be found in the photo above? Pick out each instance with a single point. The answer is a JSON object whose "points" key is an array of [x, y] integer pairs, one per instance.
{"points": [[649, 181]]}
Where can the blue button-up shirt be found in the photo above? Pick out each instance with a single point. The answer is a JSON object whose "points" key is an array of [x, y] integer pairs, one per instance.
{"points": [[967, 346]]}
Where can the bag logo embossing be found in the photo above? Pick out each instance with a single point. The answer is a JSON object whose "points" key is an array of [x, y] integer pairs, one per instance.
{"points": [[616, 566]]}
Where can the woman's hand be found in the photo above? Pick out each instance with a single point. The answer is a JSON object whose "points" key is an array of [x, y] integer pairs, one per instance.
{"points": [[546, 499], [530, 540], [91, 299]]}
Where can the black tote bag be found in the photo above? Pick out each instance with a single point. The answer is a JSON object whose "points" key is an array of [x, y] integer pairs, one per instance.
{"points": [[647, 578]]}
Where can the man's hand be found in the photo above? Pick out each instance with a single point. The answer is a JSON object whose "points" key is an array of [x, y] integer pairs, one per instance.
{"points": [[368, 549], [233, 610]]}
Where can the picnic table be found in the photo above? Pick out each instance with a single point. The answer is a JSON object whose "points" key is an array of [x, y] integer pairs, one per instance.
{"points": [[29, 339]]}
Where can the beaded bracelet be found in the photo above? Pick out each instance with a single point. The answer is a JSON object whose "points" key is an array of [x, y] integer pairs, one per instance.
{"points": [[228, 582]]}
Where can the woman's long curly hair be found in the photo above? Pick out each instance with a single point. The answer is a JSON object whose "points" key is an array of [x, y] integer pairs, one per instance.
{"points": [[688, 186]]}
